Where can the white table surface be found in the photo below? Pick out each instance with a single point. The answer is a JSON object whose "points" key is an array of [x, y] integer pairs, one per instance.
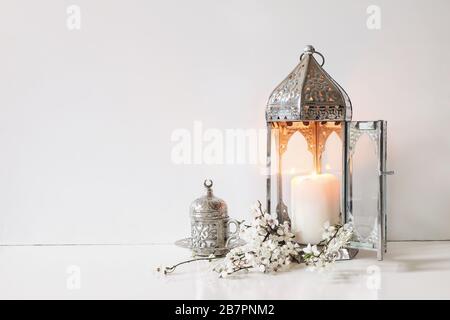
{"points": [[410, 270]]}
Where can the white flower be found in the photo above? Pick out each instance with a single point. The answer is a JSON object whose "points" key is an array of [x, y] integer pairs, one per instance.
{"points": [[271, 221], [271, 246], [336, 237], [311, 250], [329, 231]]}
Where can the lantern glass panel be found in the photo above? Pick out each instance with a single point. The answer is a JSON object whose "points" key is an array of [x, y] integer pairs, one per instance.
{"points": [[366, 158], [302, 151]]}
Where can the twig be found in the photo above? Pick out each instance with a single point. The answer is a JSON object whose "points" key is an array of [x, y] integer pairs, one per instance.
{"points": [[240, 269], [170, 269], [329, 240]]}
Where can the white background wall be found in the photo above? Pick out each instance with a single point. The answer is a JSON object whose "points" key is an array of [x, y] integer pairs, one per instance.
{"points": [[86, 116]]}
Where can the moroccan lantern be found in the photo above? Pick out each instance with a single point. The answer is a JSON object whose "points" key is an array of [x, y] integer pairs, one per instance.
{"points": [[322, 166]]}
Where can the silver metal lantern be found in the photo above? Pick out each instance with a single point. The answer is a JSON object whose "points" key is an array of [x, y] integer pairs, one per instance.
{"points": [[315, 152]]}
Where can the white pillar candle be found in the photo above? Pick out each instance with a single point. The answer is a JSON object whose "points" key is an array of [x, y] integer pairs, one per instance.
{"points": [[314, 201]]}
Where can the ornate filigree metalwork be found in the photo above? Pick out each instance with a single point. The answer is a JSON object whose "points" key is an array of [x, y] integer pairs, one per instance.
{"points": [[323, 113], [204, 235], [283, 102], [210, 231], [318, 89], [308, 93], [315, 134], [356, 133]]}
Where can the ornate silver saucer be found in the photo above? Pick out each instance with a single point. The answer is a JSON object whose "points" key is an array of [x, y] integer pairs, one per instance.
{"points": [[187, 244]]}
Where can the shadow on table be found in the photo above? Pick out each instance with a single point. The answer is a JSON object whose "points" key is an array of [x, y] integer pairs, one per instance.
{"points": [[422, 265]]}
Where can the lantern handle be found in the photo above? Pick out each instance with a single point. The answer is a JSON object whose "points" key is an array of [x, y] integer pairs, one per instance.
{"points": [[309, 49], [208, 183]]}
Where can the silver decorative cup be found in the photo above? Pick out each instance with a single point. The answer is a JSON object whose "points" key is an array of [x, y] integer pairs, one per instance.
{"points": [[210, 225]]}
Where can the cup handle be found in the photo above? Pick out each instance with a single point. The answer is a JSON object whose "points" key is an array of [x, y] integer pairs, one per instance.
{"points": [[232, 236]]}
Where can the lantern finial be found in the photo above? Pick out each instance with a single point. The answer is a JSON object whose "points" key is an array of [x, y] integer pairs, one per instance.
{"points": [[309, 49]]}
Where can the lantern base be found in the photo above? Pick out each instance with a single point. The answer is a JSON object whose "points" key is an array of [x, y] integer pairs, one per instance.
{"points": [[347, 254]]}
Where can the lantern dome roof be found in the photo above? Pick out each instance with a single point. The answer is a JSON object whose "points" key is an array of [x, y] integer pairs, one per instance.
{"points": [[309, 93]]}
